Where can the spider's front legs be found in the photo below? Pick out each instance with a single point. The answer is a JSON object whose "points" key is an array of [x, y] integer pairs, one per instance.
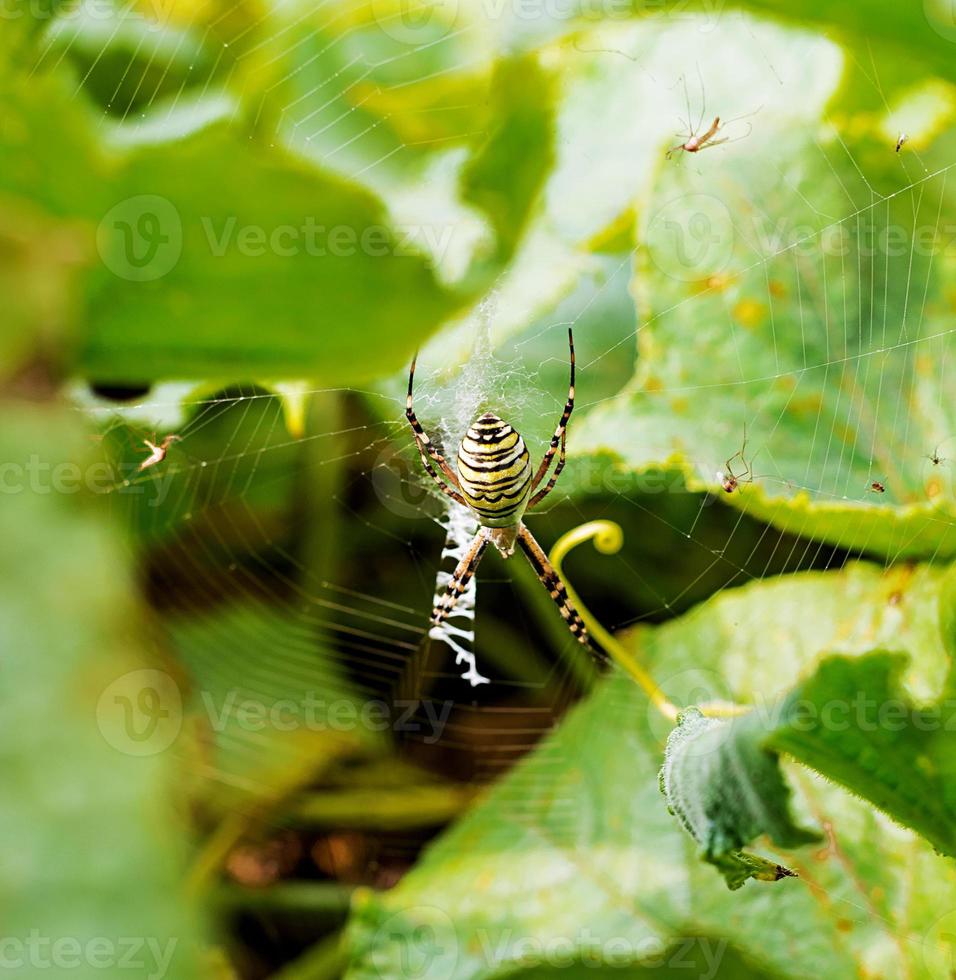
{"points": [[426, 449], [558, 438], [460, 577]]}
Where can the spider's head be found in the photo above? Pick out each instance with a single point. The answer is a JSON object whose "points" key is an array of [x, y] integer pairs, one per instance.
{"points": [[488, 428]]}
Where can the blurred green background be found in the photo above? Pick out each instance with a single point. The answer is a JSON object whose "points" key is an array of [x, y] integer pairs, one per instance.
{"points": [[229, 748]]}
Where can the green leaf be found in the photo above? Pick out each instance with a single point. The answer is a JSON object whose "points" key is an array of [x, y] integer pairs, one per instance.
{"points": [[573, 849], [791, 303], [253, 237], [93, 834], [727, 790], [198, 266], [506, 174], [853, 722], [923, 32]]}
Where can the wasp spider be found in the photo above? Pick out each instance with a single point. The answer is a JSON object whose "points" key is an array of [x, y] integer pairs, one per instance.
{"points": [[494, 480]]}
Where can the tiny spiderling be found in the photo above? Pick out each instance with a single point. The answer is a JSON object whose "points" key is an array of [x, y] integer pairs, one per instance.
{"points": [[157, 451]]}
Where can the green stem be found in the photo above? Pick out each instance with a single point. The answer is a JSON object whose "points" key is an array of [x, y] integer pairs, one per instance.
{"points": [[608, 539], [327, 899], [383, 809], [326, 960]]}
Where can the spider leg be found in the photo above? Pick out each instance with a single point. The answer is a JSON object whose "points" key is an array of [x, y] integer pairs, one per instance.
{"points": [[708, 137], [559, 434], [730, 139], [728, 466], [439, 482], [749, 471], [426, 449], [541, 494], [460, 578], [703, 99], [552, 582]]}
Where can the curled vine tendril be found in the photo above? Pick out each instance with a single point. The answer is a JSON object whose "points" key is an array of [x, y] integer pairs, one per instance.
{"points": [[608, 539]]}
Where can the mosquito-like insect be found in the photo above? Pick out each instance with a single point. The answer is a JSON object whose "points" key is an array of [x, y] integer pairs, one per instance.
{"points": [[935, 457], [693, 141], [729, 480], [157, 451]]}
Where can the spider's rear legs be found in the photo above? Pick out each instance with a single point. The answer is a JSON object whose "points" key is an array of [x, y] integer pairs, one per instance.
{"points": [[460, 578], [505, 539]]}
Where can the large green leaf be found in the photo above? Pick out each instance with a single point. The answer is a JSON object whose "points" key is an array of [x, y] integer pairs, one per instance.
{"points": [[253, 237], [93, 838], [853, 723], [570, 851], [802, 307], [726, 789]]}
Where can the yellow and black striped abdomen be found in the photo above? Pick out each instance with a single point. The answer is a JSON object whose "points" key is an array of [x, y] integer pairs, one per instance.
{"points": [[494, 470]]}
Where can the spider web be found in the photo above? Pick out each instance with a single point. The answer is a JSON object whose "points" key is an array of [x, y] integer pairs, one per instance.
{"points": [[219, 518]]}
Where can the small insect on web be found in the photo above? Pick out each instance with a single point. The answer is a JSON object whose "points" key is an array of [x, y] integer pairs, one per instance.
{"points": [[495, 481], [157, 451], [729, 480], [693, 140]]}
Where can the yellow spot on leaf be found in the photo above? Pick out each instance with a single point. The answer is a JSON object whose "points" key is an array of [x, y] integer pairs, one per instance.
{"points": [[749, 313], [718, 282]]}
